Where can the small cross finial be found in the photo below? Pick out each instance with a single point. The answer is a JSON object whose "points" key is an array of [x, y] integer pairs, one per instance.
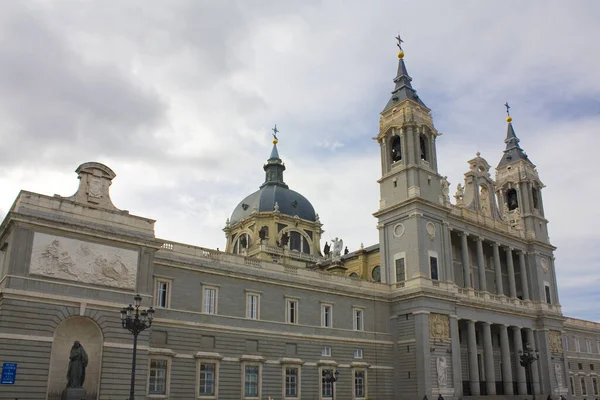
{"points": [[507, 108], [275, 132], [400, 41]]}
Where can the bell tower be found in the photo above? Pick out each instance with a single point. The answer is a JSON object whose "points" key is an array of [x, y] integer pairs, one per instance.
{"points": [[519, 189], [409, 185]]}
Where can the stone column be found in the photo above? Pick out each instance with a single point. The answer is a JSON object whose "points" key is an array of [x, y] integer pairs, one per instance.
{"points": [[456, 362], [449, 254], [523, 269], [535, 375], [488, 355], [422, 349], [511, 273], [481, 265], [521, 377], [473, 365], [498, 269], [506, 363], [464, 253]]}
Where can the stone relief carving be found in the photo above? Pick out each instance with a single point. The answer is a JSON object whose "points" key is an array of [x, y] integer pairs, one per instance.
{"points": [[439, 326], [544, 264], [442, 375], [484, 200], [458, 196], [398, 230], [430, 227], [555, 339], [80, 261], [559, 375]]}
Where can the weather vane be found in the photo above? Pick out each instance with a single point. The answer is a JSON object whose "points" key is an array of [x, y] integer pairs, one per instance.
{"points": [[400, 41], [507, 108], [275, 132]]}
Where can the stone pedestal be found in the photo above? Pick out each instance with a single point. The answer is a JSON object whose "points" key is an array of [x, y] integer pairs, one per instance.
{"points": [[73, 394]]}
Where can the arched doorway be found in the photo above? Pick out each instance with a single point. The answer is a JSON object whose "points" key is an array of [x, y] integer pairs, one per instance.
{"points": [[88, 333]]}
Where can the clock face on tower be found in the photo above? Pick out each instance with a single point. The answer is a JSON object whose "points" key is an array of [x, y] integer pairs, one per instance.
{"points": [[376, 274]]}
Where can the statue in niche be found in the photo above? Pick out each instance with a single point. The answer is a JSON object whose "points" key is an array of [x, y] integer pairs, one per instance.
{"points": [[338, 245], [445, 189], [484, 200], [263, 233], [326, 249], [78, 361], [559, 375], [442, 376], [243, 242], [285, 238]]}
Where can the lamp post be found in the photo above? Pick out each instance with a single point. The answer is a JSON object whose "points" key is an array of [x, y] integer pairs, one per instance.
{"points": [[528, 356], [135, 321], [332, 377]]}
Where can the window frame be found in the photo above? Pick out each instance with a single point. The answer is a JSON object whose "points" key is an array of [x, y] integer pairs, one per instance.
{"points": [[169, 282], [205, 289], [322, 370], [249, 294], [324, 324], [433, 254], [358, 354], [167, 377], [324, 353], [284, 368], [397, 257], [365, 389], [577, 345], [572, 382], [583, 386], [595, 386], [547, 292], [355, 326], [288, 301], [259, 380], [206, 360], [588, 345]]}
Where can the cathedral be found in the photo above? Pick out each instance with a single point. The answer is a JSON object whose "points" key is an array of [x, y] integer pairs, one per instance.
{"points": [[458, 298]]}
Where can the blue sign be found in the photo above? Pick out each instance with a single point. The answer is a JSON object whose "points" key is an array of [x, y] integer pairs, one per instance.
{"points": [[9, 373]]}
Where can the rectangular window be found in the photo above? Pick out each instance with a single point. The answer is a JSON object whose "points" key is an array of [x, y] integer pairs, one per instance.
{"points": [[291, 311], [595, 386], [577, 345], [161, 296], [326, 315], [358, 353], [207, 379], [358, 319], [210, 300], [400, 270], [291, 382], [326, 351], [359, 384], [433, 265], [251, 380], [591, 367], [588, 345], [326, 387], [583, 388], [252, 305], [580, 365], [157, 383], [572, 386], [547, 291], [566, 343]]}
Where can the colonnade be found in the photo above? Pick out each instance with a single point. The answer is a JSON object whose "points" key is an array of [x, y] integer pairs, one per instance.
{"points": [[509, 375], [496, 248]]}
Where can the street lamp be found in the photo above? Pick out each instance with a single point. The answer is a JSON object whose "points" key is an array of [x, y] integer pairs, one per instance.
{"points": [[528, 357], [331, 377], [135, 321]]}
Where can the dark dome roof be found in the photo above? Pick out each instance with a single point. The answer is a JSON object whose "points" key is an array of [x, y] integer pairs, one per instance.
{"points": [[263, 200]]}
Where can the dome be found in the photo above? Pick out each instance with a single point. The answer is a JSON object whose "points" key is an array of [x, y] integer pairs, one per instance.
{"points": [[263, 200], [274, 191]]}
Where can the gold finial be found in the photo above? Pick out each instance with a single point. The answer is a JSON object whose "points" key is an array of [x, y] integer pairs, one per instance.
{"points": [[399, 44], [275, 131], [509, 118]]}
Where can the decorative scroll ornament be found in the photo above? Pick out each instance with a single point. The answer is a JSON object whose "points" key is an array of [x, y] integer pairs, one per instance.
{"points": [[439, 326], [555, 339]]}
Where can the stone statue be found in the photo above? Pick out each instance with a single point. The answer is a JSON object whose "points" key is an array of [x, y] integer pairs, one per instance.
{"points": [[460, 191], [338, 245], [285, 238], [445, 189], [441, 372], [326, 249], [346, 251], [78, 361], [517, 216], [559, 375], [263, 232], [484, 201], [505, 212]]}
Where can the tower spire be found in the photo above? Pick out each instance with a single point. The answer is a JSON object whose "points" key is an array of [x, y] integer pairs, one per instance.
{"points": [[513, 151], [274, 167], [403, 89]]}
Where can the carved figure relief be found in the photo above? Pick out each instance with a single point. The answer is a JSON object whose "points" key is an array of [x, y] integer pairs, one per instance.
{"points": [[439, 326], [559, 375], [458, 196], [80, 261], [555, 339], [484, 201], [442, 372], [544, 264]]}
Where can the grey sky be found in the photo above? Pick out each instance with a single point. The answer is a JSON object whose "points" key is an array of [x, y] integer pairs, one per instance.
{"points": [[178, 98]]}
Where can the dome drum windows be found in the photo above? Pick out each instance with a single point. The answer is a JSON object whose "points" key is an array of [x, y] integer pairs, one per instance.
{"points": [[243, 242]]}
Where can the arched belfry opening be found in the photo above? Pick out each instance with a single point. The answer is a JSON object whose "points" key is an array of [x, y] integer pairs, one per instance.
{"points": [[423, 143], [512, 199], [87, 332], [396, 149], [535, 197]]}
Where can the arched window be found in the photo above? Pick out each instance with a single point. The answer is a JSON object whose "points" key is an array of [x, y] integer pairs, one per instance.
{"points": [[423, 147], [376, 274], [396, 149], [299, 243], [511, 199], [354, 275], [243, 242], [535, 195]]}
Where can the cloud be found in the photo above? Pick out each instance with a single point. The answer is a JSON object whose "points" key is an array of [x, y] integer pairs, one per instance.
{"points": [[179, 100]]}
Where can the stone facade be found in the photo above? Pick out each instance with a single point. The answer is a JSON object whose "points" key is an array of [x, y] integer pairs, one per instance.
{"points": [[442, 304]]}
